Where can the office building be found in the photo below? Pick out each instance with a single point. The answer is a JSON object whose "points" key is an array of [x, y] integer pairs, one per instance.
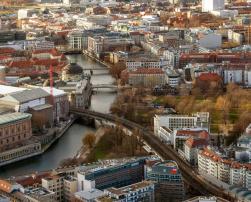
{"points": [[114, 176], [212, 5], [198, 120], [169, 182], [141, 191]]}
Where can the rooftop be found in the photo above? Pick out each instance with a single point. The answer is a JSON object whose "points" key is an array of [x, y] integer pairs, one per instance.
{"points": [[6, 90], [130, 188], [8, 118], [89, 195], [26, 95]]}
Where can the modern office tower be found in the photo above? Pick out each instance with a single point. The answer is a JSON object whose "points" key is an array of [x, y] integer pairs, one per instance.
{"points": [[169, 184]]}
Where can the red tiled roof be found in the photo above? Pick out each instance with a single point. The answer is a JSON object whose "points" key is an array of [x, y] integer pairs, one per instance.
{"points": [[194, 133], [21, 64], [209, 77], [45, 62], [7, 51], [33, 179], [195, 142], [41, 51]]}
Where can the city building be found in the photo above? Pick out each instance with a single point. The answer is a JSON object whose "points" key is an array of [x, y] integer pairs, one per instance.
{"points": [[22, 101], [206, 199], [36, 194], [172, 78], [212, 5], [198, 120], [60, 103], [146, 77], [134, 63], [169, 182], [99, 44], [114, 176], [14, 129], [4, 198], [55, 184], [88, 196], [191, 148], [70, 187], [141, 191]]}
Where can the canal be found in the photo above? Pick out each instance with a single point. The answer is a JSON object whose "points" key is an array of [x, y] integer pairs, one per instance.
{"points": [[71, 142]]}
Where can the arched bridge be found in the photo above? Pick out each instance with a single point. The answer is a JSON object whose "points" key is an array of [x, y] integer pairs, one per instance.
{"points": [[164, 150]]}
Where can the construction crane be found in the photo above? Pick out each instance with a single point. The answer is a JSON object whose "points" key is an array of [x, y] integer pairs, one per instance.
{"points": [[51, 83]]}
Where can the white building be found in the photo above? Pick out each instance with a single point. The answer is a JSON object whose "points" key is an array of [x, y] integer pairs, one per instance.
{"points": [[172, 78], [191, 148], [22, 101], [141, 191], [212, 5], [200, 119], [145, 62]]}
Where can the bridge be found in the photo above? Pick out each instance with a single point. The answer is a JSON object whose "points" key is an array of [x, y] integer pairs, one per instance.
{"points": [[165, 151]]}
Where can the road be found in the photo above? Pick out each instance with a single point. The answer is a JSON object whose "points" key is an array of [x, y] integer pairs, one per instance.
{"points": [[164, 150]]}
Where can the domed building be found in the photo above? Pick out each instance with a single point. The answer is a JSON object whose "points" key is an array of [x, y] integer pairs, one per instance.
{"points": [[71, 70]]}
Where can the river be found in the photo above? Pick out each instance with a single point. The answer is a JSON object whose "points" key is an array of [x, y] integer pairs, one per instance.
{"points": [[68, 145]]}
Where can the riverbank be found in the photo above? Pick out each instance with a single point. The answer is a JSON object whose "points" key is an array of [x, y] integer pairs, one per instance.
{"points": [[85, 151], [35, 147], [86, 53]]}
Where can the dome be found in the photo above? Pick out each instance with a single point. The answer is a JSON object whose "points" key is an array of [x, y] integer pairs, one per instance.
{"points": [[73, 68]]}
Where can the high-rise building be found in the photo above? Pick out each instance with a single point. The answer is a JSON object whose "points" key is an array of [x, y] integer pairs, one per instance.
{"points": [[169, 183], [212, 5]]}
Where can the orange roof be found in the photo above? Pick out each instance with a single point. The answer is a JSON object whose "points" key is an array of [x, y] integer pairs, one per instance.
{"points": [[195, 142], [21, 64], [209, 77], [33, 179], [193, 133], [5, 186], [7, 50]]}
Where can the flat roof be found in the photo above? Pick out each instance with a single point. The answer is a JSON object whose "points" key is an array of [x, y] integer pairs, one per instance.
{"points": [[89, 195], [6, 90], [55, 92], [8, 118]]}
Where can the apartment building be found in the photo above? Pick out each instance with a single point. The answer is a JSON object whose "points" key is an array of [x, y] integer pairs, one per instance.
{"points": [[55, 184], [169, 183], [191, 148], [226, 170], [141, 191], [146, 77], [69, 188], [36, 194], [99, 44], [145, 62]]}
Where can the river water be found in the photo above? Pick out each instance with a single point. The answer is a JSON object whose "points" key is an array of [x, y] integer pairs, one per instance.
{"points": [[68, 145]]}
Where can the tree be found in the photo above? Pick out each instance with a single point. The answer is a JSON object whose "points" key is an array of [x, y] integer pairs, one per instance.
{"points": [[116, 69], [89, 140]]}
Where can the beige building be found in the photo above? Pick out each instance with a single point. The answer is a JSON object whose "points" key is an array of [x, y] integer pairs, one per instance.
{"points": [[14, 128], [146, 77]]}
